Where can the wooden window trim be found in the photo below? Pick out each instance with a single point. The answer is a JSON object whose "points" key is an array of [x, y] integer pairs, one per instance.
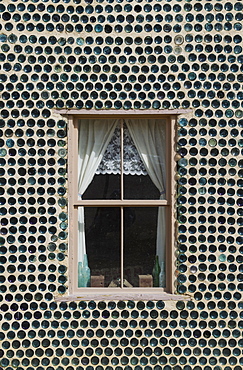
{"points": [[125, 293]]}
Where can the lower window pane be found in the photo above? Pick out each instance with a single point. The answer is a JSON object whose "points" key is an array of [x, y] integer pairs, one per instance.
{"points": [[143, 262], [103, 241], [143, 256]]}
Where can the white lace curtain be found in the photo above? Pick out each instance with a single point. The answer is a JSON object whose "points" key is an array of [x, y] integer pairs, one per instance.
{"points": [[111, 161], [148, 136]]}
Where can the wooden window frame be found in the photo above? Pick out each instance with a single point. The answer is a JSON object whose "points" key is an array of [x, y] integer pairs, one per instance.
{"points": [[135, 293]]}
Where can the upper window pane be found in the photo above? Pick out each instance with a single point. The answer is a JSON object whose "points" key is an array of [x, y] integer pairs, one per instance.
{"points": [[141, 168], [149, 138]]}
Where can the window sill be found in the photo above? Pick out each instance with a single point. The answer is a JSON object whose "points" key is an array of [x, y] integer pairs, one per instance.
{"points": [[123, 296]]}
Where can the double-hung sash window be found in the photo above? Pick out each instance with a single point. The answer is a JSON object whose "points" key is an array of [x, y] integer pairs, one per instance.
{"points": [[121, 196]]}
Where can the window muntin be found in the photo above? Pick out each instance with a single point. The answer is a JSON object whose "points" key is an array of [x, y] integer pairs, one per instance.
{"points": [[138, 203]]}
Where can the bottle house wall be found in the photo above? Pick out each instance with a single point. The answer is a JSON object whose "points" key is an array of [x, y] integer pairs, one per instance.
{"points": [[121, 55]]}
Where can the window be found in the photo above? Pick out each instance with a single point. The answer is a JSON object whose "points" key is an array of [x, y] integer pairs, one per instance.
{"points": [[121, 203]]}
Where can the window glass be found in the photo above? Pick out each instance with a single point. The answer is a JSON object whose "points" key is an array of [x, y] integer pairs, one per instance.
{"points": [[144, 155], [103, 245], [139, 187], [104, 187], [140, 233]]}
